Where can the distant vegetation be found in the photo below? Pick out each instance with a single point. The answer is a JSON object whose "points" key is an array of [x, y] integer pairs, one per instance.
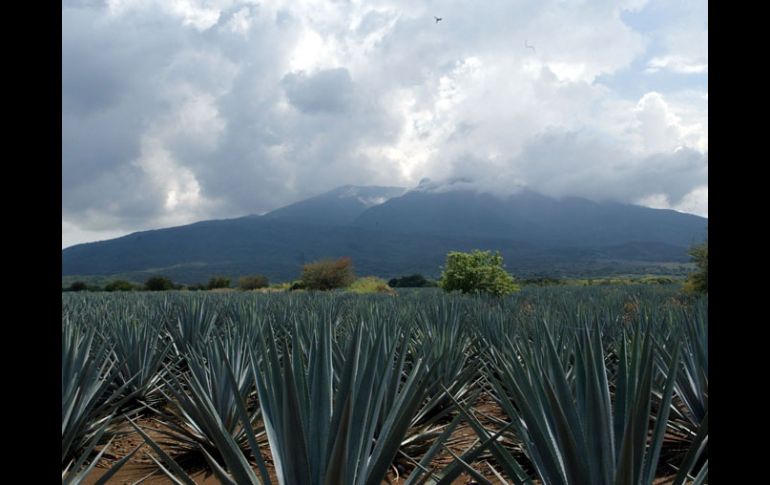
{"points": [[327, 274], [78, 286], [218, 282], [471, 272], [412, 281], [158, 283], [120, 285], [371, 284], [253, 282], [543, 281], [698, 282], [477, 272], [258, 282]]}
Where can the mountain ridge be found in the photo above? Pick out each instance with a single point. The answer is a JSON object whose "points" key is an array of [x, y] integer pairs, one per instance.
{"points": [[398, 232]]}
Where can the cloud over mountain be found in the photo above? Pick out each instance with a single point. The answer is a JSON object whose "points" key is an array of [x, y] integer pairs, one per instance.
{"points": [[180, 110]]}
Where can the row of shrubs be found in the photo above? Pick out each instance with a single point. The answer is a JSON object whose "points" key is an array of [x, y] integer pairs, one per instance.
{"points": [[161, 283], [320, 275], [472, 272], [360, 285]]}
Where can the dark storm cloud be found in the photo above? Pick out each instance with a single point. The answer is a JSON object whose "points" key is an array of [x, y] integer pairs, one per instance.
{"points": [[105, 105]]}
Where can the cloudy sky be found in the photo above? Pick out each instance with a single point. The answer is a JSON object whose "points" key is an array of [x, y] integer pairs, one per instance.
{"points": [[175, 111]]}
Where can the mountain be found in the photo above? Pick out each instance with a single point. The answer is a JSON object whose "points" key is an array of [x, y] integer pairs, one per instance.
{"points": [[340, 206], [531, 217], [389, 232]]}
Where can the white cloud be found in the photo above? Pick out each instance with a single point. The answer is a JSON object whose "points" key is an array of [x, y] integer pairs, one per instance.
{"points": [[659, 127], [677, 64], [696, 202]]}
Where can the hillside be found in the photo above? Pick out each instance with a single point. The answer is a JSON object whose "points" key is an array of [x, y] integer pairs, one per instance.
{"points": [[405, 234]]}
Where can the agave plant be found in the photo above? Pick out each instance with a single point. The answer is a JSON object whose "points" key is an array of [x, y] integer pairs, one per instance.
{"points": [[140, 350], [596, 383], [570, 429], [442, 340], [690, 413], [693, 385], [205, 402], [89, 400], [233, 466], [191, 323], [325, 425]]}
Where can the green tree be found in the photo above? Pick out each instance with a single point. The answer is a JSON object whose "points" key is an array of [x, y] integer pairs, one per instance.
{"points": [[327, 274], [158, 283], [698, 282], [253, 282], [476, 272], [218, 282]]}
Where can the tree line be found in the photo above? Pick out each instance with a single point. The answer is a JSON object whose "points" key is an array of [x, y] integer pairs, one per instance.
{"points": [[467, 272]]}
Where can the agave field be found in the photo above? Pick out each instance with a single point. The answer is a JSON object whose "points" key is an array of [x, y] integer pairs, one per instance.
{"points": [[572, 386]]}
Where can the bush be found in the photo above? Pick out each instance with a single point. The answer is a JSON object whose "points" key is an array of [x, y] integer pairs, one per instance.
{"points": [[218, 282], [158, 283], [296, 285], [78, 286], [120, 285], [327, 274], [476, 272], [253, 282], [371, 284], [412, 281]]}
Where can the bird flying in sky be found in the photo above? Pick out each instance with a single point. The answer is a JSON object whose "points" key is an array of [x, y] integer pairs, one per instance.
{"points": [[438, 19], [529, 46]]}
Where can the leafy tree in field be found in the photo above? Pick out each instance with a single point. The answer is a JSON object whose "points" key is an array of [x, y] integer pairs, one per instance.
{"points": [[327, 274], [218, 282], [476, 272], [120, 285], [253, 282], [158, 283], [78, 286], [698, 282]]}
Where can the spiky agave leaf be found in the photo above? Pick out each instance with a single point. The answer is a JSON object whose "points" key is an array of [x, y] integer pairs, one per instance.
{"points": [[566, 421], [89, 398], [204, 401], [222, 442], [322, 432], [140, 351], [190, 322]]}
